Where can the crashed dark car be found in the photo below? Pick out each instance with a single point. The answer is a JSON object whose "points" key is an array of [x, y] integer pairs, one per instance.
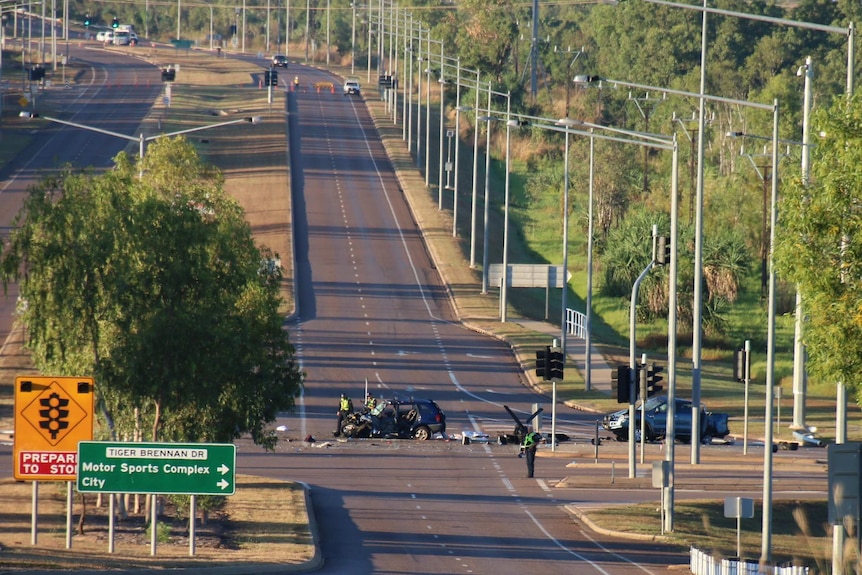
{"points": [[713, 425], [413, 418]]}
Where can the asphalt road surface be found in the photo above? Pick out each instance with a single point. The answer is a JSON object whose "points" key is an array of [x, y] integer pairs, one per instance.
{"points": [[371, 307]]}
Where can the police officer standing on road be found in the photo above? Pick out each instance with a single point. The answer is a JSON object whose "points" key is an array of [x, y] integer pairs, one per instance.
{"points": [[345, 408], [528, 448], [370, 402]]}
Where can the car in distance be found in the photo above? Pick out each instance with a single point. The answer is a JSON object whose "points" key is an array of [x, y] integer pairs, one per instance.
{"points": [[352, 87], [713, 425], [279, 61], [122, 38]]}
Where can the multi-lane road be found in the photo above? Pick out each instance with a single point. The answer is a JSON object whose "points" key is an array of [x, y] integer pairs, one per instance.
{"points": [[371, 308], [110, 94]]}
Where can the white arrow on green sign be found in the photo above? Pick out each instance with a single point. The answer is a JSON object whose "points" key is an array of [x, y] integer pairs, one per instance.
{"points": [[165, 468]]}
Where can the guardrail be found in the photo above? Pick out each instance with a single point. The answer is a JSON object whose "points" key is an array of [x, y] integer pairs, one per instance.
{"points": [[702, 563]]}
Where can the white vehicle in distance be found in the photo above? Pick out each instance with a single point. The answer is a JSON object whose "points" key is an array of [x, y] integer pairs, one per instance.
{"points": [[122, 38], [352, 87], [106, 36]]}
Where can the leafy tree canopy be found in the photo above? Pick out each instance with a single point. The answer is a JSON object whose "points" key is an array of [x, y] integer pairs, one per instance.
{"points": [[819, 247], [154, 286]]}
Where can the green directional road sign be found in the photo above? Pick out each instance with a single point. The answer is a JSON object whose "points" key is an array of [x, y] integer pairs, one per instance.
{"points": [[181, 468]]}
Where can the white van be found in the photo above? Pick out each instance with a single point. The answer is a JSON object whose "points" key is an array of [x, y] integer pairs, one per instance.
{"points": [[122, 38], [106, 36]]}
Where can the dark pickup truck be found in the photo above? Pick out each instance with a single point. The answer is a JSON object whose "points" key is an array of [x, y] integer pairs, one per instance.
{"points": [[713, 425]]}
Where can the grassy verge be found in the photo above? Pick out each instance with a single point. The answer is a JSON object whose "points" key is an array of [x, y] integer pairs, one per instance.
{"points": [[800, 533], [264, 522]]}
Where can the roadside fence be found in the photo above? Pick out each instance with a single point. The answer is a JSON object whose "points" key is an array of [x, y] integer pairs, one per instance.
{"points": [[702, 563]]}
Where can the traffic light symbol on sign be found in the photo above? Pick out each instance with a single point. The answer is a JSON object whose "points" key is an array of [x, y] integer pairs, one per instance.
{"points": [[54, 416], [543, 367]]}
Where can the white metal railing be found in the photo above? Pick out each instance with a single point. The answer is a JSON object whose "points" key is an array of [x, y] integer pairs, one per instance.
{"points": [[576, 323], [702, 563]]}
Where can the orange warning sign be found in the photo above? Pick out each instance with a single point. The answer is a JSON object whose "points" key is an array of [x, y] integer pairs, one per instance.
{"points": [[52, 414]]}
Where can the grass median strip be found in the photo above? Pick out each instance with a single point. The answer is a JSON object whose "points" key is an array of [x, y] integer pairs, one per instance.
{"points": [[264, 522]]}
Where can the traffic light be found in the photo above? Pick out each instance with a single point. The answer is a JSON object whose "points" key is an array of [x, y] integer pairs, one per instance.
{"points": [[557, 361], [87, 20], [115, 23], [653, 379], [621, 378], [270, 78], [543, 368], [169, 75], [740, 365], [662, 256], [37, 73]]}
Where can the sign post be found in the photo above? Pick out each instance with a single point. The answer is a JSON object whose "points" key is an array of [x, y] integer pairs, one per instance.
{"points": [[160, 468]]}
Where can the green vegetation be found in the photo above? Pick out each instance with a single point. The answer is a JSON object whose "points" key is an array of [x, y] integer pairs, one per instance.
{"points": [[155, 287], [819, 249], [801, 533]]}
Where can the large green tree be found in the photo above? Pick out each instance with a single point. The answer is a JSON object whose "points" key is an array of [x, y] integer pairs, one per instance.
{"points": [[155, 286], [819, 244]]}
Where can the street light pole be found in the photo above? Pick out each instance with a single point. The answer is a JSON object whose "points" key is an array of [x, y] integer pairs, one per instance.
{"points": [[475, 201], [428, 112], [697, 308], [419, 104], [353, 40], [589, 302], [488, 119], [457, 147], [800, 383], [504, 288], [442, 82]]}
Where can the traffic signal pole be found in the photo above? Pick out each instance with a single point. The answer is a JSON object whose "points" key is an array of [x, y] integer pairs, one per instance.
{"points": [[633, 366], [642, 375]]}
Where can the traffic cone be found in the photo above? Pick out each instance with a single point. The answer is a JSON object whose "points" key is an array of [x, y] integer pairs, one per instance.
{"points": [[260, 84], [332, 89]]}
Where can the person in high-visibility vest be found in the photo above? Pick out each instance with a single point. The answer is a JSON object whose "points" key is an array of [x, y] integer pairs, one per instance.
{"points": [[370, 402], [345, 408], [528, 449]]}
